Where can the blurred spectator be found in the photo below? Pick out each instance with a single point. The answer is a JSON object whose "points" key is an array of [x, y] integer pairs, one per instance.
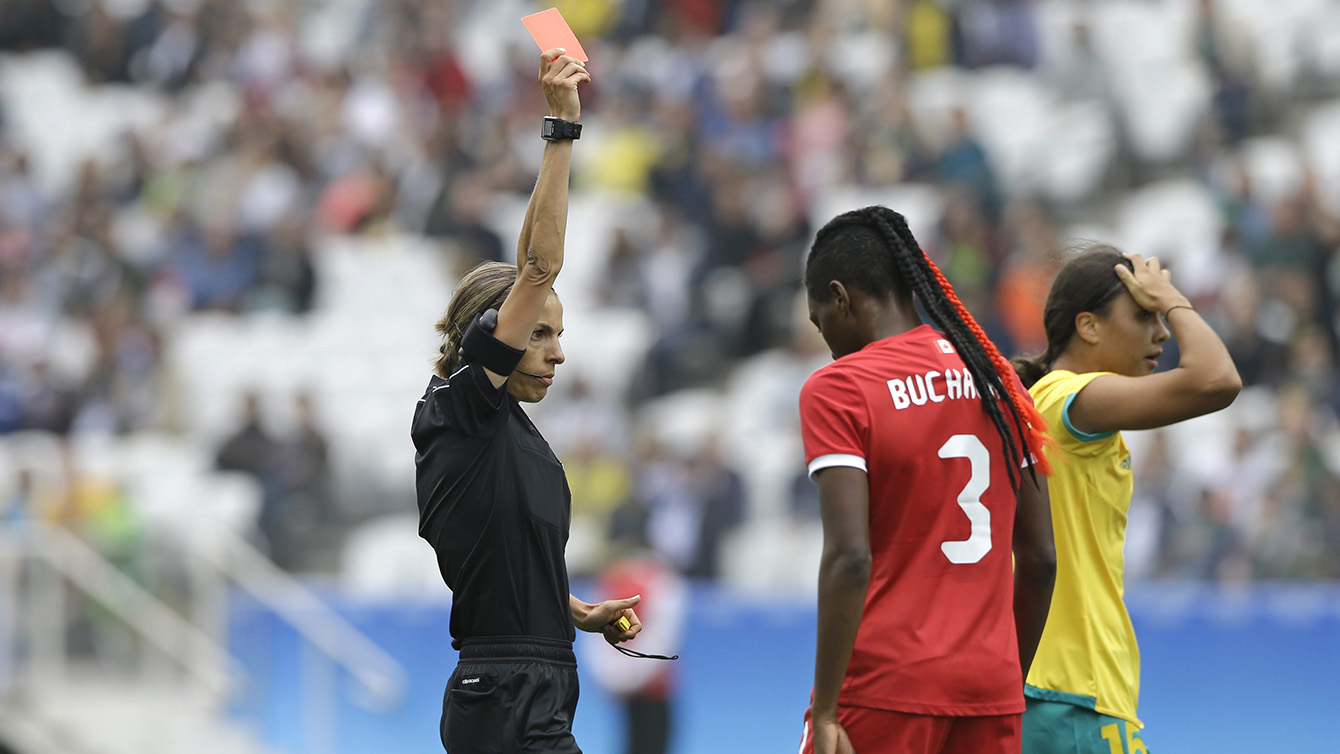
{"points": [[458, 214], [287, 280], [630, 151], [1303, 519], [928, 34], [50, 403], [11, 398], [998, 32], [24, 204], [645, 688], [1022, 297], [821, 135], [26, 319], [99, 42], [667, 269], [587, 417], [1246, 217], [962, 164], [127, 385], [887, 138], [718, 493], [1223, 47], [215, 267], [1080, 75], [736, 120], [804, 504], [1292, 244], [970, 253], [600, 483], [250, 449], [1150, 517], [298, 516], [19, 504], [663, 511], [29, 24], [623, 284], [171, 57]]}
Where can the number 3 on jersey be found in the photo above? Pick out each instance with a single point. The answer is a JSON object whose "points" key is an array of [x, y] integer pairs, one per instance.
{"points": [[978, 543]]}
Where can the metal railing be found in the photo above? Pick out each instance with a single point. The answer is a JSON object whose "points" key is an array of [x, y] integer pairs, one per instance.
{"points": [[381, 675], [44, 606], [34, 609]]}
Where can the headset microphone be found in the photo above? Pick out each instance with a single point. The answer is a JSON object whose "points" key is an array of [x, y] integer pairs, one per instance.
{"points": [[529, 374]]}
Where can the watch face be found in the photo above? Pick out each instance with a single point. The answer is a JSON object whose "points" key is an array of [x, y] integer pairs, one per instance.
{"points": [[555, 129]]}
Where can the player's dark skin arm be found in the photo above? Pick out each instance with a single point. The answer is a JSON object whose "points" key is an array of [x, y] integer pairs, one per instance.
{"points": [[844, 575], [1034, 566]]}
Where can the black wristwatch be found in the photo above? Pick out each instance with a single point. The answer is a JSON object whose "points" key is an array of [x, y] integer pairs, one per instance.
{"points": [[557, 129]]}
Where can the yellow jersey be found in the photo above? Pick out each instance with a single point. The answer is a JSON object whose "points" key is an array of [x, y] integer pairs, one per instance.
{"points": [[1088, 655]]}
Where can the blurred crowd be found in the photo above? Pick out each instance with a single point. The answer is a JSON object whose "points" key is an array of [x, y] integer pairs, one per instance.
{"points": [[732, 119]]}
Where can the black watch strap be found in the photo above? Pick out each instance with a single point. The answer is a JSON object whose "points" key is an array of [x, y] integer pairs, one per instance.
{"points": [[557, 129]]}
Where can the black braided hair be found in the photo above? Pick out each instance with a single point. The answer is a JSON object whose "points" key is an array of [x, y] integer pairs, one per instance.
{"points": [[872, 249]]}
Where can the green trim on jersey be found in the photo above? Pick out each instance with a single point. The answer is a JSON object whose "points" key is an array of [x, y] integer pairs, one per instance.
{"points": [[1060, 697], [1080, 434]]}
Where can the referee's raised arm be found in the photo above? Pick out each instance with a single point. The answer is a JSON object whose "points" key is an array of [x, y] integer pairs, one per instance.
{"points": [[540, 247]]}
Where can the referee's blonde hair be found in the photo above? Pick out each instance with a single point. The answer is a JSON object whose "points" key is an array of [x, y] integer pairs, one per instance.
{"points": [[484, 287]]}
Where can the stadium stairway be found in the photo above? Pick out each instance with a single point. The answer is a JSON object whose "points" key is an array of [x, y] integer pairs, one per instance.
{"points": [[93, 662], [94, 711]]}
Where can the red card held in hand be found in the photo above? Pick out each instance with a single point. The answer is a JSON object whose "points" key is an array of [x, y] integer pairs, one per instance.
{"points": [[550, 30]]}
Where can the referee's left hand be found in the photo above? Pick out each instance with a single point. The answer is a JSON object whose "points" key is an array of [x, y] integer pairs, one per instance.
{"points": [[602, 616]]}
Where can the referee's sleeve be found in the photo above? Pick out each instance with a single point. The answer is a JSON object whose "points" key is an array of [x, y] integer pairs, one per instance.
{"points": [[468, 402]]}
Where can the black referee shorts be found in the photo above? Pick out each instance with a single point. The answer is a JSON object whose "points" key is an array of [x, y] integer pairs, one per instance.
{"points": [[511, 696]]}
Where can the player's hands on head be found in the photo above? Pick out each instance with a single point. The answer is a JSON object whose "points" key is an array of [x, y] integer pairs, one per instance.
{"points": [[830, 737], [1150, 284], [560, 75]]}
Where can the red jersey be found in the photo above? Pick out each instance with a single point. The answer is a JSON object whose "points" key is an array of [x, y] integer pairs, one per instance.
{"points": [[937, 636]]}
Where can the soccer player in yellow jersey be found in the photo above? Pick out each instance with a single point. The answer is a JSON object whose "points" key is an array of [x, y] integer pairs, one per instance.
{"points": [[1106, 318]]}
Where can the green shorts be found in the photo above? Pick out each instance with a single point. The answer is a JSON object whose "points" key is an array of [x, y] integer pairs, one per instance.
{"points": [[1053, 727]]}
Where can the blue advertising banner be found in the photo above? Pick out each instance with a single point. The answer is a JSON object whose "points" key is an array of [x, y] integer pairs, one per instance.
{"points": [[1226, 670]]}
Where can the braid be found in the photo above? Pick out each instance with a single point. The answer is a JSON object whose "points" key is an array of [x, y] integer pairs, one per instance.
{"points": [[1031, 426], [988, 367]]}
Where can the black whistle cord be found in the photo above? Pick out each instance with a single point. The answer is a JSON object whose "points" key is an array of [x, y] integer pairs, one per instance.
{"points": [[635, 653]]}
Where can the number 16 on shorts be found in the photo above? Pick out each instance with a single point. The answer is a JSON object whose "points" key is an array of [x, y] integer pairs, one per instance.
{"points": [[1131, 743]]}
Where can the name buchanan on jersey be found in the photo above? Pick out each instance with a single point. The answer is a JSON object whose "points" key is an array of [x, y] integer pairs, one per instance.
{"points": [[918, 389]]}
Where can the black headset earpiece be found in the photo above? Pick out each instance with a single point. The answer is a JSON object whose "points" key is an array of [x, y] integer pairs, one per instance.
{"points": [[488, 321], [478, 345]]}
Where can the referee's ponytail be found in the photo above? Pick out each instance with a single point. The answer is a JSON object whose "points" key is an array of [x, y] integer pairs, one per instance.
{"points": [[874, 249], [484, 287]]}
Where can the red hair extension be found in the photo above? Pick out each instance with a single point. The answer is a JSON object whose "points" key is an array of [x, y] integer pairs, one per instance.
{"points": [[1036, 431]]}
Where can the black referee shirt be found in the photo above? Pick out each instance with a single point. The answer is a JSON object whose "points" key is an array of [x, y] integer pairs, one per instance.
{"points": [[494, 504]]}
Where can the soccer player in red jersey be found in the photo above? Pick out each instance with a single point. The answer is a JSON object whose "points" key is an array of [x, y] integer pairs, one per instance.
{"points": [[928, 455]]}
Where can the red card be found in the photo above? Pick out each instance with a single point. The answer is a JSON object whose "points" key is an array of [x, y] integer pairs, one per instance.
{"points": [[550, 31]]}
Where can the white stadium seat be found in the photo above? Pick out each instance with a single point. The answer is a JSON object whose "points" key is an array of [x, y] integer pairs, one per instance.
{"points": [[386, 557], [1178, 222], [1321, 145]]}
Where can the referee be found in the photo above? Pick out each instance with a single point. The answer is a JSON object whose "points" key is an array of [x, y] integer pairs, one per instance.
{"points": [[493, 499]]}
